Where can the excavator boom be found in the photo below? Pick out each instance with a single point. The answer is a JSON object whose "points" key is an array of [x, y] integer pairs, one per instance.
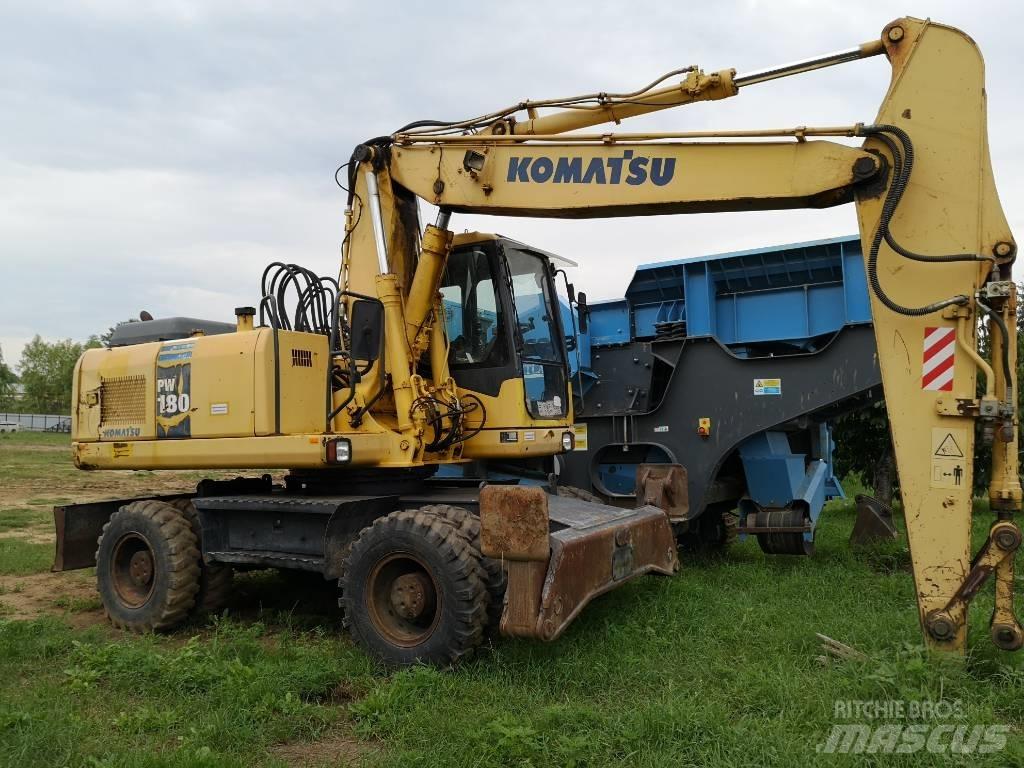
{"points": [[937, 246]]}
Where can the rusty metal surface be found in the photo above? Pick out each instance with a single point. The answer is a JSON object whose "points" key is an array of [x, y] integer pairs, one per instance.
{"points": [[664, 486], [78, 526], [586, 561], [514, 522], [571, 512], [522, 597]]}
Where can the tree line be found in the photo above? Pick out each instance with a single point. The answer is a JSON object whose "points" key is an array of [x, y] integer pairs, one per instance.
{"points": [[43, 381]]}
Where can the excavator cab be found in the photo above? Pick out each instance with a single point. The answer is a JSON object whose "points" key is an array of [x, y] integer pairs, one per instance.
{"points": [[506, 342]]}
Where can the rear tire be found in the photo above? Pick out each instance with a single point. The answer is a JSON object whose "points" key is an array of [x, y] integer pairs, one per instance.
{"points": [[713, 532], [215, 579], [412, 590], [147, 567]]}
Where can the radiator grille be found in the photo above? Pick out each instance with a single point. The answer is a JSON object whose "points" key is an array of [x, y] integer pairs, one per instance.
{"points": [[123, 399], [302, 358]]}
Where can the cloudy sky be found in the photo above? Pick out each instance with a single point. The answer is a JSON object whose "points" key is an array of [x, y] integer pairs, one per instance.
{"points": [[157, 155]]}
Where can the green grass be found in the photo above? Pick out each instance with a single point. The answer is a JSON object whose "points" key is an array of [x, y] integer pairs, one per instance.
{"points": [[76, 698], [21, 517], [26, 438], [18, 557], [28, 455], [78, 604], [715, 666]]}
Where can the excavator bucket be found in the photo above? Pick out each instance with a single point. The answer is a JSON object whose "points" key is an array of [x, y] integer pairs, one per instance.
{"points": [[874, 522], [561, 553]]}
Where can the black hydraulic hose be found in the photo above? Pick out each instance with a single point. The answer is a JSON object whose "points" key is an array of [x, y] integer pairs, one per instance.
{"points": [[275, 328], [353, 379], [316, 311], [270, 303], [902, 167], [357, 417]]}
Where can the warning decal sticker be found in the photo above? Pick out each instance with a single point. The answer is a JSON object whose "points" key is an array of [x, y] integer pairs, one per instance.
{"points": [[767, 386], [580, 431], [949, 447], [938, 359], [949, 466]]}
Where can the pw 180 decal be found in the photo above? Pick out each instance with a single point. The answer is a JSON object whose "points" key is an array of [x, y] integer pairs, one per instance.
{"points": [[630, 168], [174, 390]]}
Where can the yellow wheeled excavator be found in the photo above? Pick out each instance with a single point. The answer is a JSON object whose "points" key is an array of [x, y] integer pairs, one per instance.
{"points": [[434, 349]]}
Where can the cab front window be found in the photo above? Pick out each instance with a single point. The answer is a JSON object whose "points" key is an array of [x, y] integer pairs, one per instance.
{"points": [[472, 311], [537, 332]]}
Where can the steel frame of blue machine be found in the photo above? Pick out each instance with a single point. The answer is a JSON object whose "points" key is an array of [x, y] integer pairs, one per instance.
{"points": [[761, 304]]}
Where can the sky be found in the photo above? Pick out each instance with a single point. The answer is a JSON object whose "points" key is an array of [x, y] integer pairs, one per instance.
{"points": [[158, 155]]}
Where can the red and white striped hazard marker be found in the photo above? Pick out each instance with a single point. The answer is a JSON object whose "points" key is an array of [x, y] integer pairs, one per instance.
{"points": [[939, 356]]}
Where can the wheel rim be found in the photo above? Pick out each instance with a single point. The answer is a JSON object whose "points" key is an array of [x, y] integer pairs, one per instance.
{"points": [[403, 599], [132, 570]]}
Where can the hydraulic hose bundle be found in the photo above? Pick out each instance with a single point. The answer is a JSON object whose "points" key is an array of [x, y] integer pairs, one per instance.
{"points": [[448, 419], [900, 146], [315, 300], [903, 165]]}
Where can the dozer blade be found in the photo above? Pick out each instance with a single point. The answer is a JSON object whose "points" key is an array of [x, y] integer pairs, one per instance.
{"points": [[874, 522], [562, 552]]}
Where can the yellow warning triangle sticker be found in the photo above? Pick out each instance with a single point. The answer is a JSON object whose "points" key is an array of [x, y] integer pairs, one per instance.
{"points": [[949, 448]]}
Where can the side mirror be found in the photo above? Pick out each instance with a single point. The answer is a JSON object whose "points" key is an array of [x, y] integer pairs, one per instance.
{"points": [[581, 308], [367, 326], [571, 290]]}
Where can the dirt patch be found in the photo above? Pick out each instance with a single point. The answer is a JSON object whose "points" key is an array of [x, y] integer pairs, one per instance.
{"points": [[71, 594], [31, 535], [79, 486], [334, 749]]}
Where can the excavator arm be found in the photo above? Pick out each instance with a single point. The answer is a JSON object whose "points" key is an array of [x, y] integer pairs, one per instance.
{"points": [[937, 246]]}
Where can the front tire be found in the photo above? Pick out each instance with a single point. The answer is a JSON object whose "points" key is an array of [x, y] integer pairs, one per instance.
{"points": [[147, 567], [495, 578], [413, 590]]}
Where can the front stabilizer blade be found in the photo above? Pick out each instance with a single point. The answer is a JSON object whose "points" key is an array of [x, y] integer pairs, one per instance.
{"points": [[592, 548]]}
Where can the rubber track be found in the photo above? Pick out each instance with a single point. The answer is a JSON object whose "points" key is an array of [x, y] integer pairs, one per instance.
{"points": [[183, 565]]}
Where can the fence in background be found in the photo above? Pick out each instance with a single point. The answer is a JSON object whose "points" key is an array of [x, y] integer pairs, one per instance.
{"points": [[37, 422]]}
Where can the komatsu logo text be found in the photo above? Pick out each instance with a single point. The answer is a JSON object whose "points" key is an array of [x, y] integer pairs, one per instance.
{"points": [[114, 432], [630, 168]]}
